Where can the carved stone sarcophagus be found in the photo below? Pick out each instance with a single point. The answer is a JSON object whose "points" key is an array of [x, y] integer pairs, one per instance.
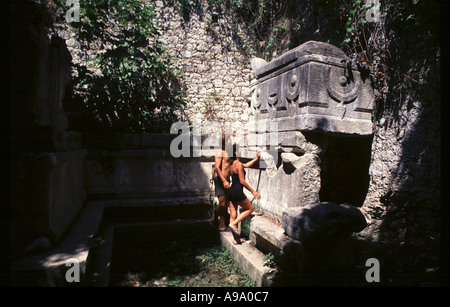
{"points": [[314, 87]]}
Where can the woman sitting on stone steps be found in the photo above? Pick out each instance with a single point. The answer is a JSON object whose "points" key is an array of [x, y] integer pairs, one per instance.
{"points": [[236, 194]]}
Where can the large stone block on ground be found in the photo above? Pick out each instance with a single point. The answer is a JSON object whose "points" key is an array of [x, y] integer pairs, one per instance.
{"points": [[322, 220]]}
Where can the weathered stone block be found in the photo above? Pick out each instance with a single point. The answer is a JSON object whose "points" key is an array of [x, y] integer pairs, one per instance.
{"points": [[322, 220], [314, 87], [296, 181], [269, 237], [145, 173]]}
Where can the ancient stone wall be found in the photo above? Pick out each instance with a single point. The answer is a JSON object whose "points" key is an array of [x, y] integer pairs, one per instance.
{"points": [[404, 199], [209, 46], [404, 195]]}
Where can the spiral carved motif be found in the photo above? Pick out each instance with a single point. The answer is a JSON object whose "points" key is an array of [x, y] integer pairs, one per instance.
{"points": [[256, 97], [343, 84], [292, 84]]}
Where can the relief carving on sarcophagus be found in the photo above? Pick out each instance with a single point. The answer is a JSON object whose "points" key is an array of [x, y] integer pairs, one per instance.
{"points": [[314, 87]]}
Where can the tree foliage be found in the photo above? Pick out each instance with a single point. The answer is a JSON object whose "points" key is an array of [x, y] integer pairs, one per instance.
{"points": [[131, 85]]}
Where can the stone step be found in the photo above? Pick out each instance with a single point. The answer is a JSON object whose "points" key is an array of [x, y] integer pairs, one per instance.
{"points": [[250, 259], [269, 237]]}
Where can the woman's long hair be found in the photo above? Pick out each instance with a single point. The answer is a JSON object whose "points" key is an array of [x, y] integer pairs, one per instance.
{"points": [[236, 148], [224, 139]]}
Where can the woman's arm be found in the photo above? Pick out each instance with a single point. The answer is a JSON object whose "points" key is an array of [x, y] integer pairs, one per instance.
{"points": [[250, 163], [241, 174]]}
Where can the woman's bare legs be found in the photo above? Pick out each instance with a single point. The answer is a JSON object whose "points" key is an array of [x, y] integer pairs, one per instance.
{"points": [[233, 211], [247, 206], [221, 211]]}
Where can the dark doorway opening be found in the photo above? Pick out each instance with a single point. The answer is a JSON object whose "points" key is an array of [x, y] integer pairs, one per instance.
{"points": [[345, 170]]}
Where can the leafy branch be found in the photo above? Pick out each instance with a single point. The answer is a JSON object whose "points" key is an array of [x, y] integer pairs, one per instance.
{"points": [[130, 84]]}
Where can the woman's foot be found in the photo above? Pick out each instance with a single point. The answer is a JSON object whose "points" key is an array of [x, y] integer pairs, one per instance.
{"points": [[241, 240], [218, 223], [234, 230], [236, 235]]}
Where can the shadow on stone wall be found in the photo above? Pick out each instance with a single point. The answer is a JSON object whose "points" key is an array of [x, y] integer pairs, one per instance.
{"points": [[405, 199], [411, 227]]}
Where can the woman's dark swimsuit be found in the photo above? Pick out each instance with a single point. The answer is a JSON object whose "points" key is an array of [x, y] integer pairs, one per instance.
{"points": [[236, 191]]}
